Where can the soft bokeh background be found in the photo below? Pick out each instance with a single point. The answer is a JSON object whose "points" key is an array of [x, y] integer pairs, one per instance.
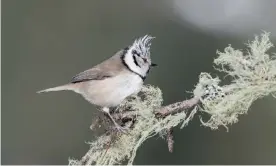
{"points": [[46, 42]]}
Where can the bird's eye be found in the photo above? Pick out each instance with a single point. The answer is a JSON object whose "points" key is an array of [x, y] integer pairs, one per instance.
{"points": [[135, 52], [145, 60]]}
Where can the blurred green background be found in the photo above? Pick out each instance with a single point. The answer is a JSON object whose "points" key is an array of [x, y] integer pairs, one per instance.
{"points": [[46, 42]]}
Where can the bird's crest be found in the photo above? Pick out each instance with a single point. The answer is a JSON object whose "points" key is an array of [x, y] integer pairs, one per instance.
{"points": [[143, 44]]}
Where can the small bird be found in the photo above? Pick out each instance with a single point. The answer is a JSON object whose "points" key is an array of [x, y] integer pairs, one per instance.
{"points": [[107, 84]]}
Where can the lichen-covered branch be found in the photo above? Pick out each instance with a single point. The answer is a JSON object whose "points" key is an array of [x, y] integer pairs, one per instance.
{"points": [[253, 75], [177, 107]]}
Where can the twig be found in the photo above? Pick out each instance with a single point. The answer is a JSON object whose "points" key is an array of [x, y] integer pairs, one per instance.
{"points": [[170, 139], [177, 107], [163, 111]]}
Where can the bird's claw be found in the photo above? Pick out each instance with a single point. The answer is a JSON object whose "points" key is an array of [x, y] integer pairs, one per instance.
{"points": [[121, 129]]}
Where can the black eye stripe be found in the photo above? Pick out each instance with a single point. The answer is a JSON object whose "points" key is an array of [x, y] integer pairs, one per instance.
{"points": [[127, 66], [135, 61], [134, 52]]}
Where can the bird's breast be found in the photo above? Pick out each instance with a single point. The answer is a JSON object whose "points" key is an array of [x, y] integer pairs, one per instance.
{"points": [[110, 92]]}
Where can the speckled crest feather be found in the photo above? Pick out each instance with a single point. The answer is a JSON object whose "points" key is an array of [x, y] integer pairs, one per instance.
{"points": [[143, 44]]}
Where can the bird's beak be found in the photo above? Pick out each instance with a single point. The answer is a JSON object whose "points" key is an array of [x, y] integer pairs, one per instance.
{"points": [[153, 65]]}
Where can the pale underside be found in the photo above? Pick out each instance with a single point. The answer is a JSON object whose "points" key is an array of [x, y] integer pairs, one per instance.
{"points": [[110, 92]]}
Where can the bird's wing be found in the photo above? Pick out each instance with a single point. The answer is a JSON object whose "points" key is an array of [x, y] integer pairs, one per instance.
{"points": [[91, 74], [106, 69]]}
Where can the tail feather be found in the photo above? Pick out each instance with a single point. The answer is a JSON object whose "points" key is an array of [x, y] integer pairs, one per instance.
{"points": [[58, 88]]}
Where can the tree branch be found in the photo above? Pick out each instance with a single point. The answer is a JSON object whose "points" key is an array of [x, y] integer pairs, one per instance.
{"points": [[177, 107]]}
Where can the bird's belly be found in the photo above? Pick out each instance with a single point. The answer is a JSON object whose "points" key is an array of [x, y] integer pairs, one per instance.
{"points": [[111, 92]]}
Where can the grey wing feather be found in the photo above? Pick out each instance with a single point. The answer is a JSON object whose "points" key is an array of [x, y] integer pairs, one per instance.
{"points": [[107, 68], [91, 74]]}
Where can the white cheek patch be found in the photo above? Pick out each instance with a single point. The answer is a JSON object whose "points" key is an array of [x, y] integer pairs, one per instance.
{"points": [[132, 66]]}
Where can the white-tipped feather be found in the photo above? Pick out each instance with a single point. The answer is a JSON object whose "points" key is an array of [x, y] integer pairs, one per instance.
{"points": [[58, 88]]}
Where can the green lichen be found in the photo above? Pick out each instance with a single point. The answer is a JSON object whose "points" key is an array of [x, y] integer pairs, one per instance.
{"points": [[253, 76]]}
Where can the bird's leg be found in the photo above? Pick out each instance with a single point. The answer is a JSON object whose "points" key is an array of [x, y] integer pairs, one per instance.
{"points": [[118, 127]]}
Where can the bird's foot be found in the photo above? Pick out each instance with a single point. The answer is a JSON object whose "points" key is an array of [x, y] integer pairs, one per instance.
{"points": [[120, 129]]}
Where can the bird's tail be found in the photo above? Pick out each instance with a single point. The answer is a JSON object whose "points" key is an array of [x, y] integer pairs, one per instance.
{"points": [[59, 88]]}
